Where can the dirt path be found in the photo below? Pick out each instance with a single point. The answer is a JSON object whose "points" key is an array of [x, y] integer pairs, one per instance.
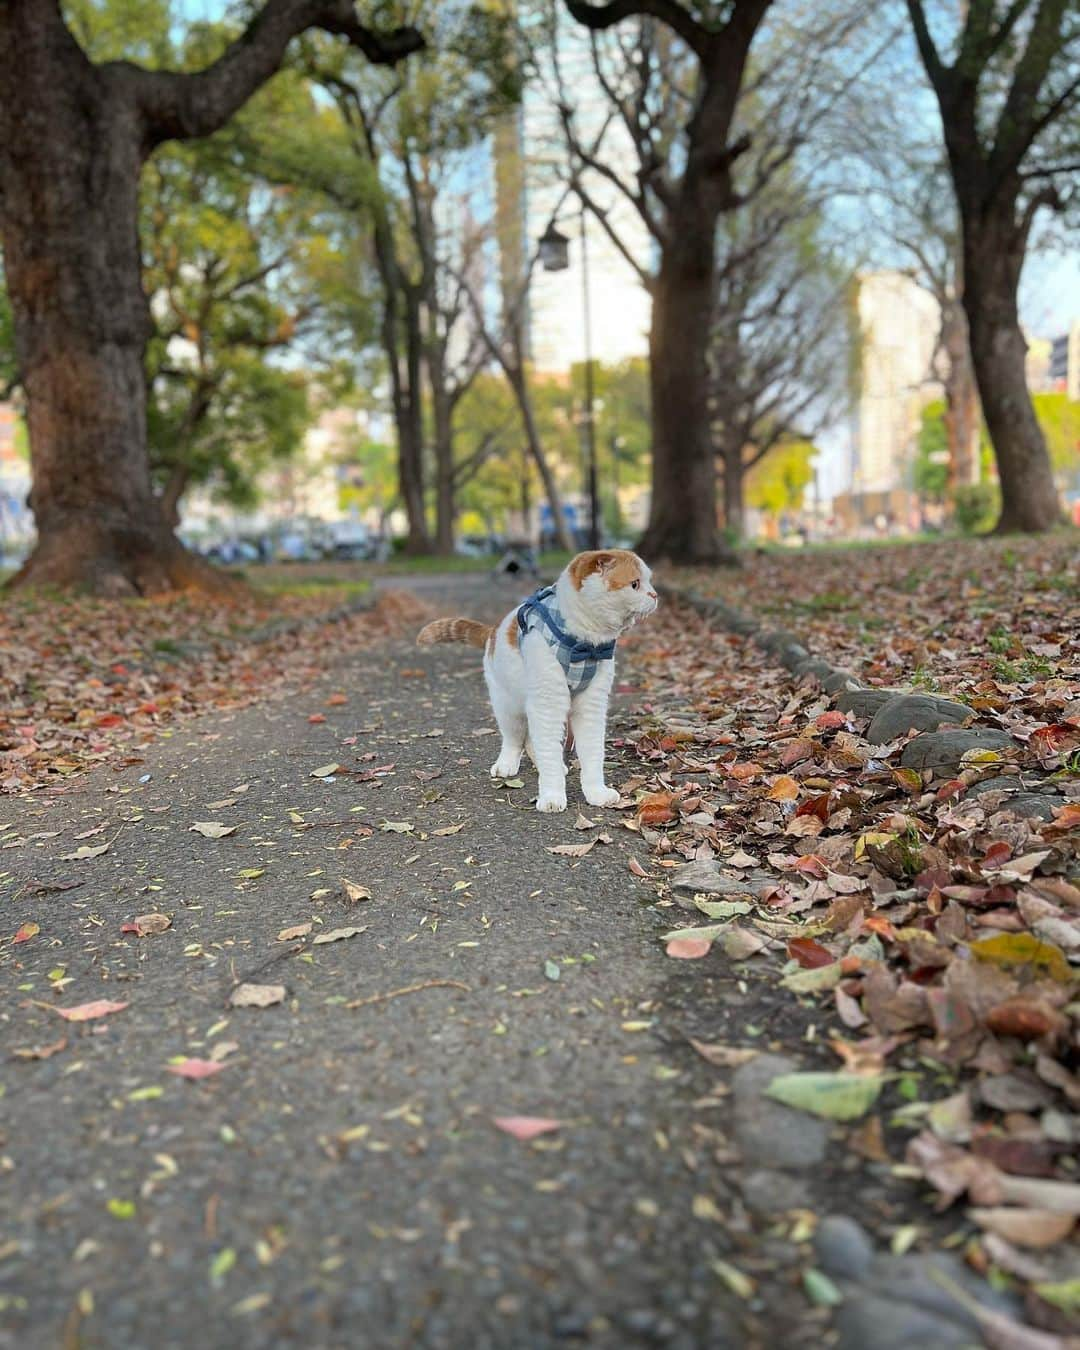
{"points": [[340, 1181]]}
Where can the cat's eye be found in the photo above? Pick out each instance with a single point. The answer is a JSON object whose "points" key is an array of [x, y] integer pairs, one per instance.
{"points": [[635, 585]]}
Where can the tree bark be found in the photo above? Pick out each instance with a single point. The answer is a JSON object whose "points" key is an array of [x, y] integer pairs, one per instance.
{"points": [[682, 510], [515, 374], [72, 145], [734, 477], [961, 396], [443, 417], [993, 259], [169, 501], [71, 257]]}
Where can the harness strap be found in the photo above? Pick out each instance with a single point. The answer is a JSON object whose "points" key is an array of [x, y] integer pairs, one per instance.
{"points": [[578, 648]]}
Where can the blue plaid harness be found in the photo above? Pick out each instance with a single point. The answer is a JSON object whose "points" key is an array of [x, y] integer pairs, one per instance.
{"points": [[580, 660]]}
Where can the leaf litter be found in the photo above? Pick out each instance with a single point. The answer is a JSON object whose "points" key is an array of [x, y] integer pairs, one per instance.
{"points": [[910, 907]]}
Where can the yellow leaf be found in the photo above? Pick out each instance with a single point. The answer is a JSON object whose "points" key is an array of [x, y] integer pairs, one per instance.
{"points": [[785, 789], [1023, 949], [871, 838]]}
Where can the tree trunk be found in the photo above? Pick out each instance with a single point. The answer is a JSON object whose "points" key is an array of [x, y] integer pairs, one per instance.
{"points": [[992, 261], [682, 510], [73, 269], [516, 377], [961, 397], [169, 501], [444, 460], [734, 474], [405, 382]]}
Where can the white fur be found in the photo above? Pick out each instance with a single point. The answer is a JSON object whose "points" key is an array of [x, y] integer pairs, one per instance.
{"points": [[532, 702]]}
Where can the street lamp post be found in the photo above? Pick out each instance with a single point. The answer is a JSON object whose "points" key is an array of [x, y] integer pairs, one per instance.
{"points": [[554, 257]]}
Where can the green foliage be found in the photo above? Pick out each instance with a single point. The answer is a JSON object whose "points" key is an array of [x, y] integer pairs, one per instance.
{"points": [[8, 364], [1060, 422], [931, 456], [977, 506], [778, 482]]}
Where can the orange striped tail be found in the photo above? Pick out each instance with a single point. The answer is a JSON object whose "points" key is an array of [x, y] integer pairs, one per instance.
{"points": [[468, 631]]}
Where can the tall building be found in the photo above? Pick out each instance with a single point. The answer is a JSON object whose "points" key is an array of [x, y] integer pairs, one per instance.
{"points": [[899, 323], [619, 306]]}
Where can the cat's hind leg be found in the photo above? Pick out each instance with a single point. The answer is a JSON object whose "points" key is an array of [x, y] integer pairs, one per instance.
{"points": [[509, 712]]}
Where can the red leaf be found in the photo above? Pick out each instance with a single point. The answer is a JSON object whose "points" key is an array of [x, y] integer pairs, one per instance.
{"points": [[809, 953], [828, 720], [812, 865], [816, 806], [26, 932], [195, 1068], [110, 720], [655, 808], [317, 717], [795, 751], [525, 1127]]}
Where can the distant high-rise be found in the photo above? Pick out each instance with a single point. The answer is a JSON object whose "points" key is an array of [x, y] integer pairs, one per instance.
{"points": [[899, 323], [620, 308]]}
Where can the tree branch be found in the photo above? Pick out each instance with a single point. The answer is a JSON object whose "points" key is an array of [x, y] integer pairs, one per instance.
{"points": [[696, 36], [178, 106]]}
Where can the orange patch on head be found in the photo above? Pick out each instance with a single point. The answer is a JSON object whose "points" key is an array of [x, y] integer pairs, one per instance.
{"points": [[512, 631], [619, 566]]}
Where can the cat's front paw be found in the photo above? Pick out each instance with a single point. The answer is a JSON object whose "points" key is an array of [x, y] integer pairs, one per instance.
{"points": [[551, 801], [600, 796], [505, 768]]}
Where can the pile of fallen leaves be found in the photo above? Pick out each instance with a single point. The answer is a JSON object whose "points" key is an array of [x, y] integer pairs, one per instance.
{"points": [[945, 616], [88, 681], [935, 931]]}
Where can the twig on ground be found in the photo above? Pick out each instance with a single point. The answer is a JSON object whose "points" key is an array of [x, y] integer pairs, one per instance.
{"points": [[408, 989]]}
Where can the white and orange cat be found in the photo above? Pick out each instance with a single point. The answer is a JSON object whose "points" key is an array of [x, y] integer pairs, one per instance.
{"points": [[552, 659]]}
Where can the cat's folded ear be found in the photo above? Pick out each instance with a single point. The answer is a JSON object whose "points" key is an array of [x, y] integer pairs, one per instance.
{"points": [[585, 564]]}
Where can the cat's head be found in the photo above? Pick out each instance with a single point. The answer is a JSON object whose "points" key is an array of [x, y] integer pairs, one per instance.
{"points": [[615, 584]]}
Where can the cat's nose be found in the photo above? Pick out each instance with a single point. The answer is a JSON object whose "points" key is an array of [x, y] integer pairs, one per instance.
{"points": [[652, 595]]}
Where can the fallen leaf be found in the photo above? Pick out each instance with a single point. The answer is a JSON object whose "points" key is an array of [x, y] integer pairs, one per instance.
{"points": [[834, 1096], [1025, 1227], [325, 771], [526, 1127], [212, 829], [740, 943], [41, 1051], [147, 925], [809, 953], [722, 1056], [784, 789], [195, 1068], [572, 850], [1023, 949], [655, 808], [397, 826], [89, 1012], [336, 935], [25, 933], [298, 930], [449, 829], [256, 995], [688, 949], [354, 892], [84, 851]]}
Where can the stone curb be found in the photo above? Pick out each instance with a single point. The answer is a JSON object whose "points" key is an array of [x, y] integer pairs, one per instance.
{"points": [[891, 711]]}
